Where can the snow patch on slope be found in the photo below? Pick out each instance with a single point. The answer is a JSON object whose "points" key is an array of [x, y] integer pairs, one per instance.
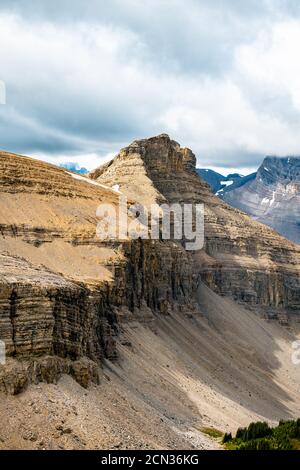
{"points": [[115, 188]]}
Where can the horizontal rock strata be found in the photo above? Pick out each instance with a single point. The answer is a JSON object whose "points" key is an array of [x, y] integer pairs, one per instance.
{"points": [[241, 258]]}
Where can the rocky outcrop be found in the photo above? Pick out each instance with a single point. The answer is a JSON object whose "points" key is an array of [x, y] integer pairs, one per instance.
{"points": [[64, 293], [241, 258], [273, 196], [43, 313], [53, 302], [150, 170], [17, 374]]}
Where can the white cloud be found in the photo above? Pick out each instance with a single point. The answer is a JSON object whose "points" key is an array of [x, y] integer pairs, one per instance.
{"points": [[89, 161], [271, 62], [82, 89]]}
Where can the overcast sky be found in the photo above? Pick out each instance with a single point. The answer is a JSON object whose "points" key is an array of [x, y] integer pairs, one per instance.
{"points": [[85, 78]]}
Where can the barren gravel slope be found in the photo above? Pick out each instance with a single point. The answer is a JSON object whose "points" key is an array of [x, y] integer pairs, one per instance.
{"points": [[175, 374]]}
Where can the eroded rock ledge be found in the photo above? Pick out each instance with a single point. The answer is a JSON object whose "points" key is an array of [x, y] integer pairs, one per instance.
{"points": [[64, 295]]}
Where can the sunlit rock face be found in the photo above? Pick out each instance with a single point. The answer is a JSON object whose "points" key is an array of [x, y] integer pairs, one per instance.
{"points": [[63, 291], [241, 258]]}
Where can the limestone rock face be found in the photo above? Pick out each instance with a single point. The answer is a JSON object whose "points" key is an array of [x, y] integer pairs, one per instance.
{"points": [[64, 292], [44, 313], [273, 197], [241, 258], [17, 374]]}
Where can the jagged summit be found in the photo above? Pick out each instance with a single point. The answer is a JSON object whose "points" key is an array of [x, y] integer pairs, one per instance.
{"points": [[154, 170], [273, 196], [280, 169], [158, 152], [163, 137]]}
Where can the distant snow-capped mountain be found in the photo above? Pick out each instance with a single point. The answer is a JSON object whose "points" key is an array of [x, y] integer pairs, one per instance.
{"points": [[270, 196], [74, 167], [221, 184]]}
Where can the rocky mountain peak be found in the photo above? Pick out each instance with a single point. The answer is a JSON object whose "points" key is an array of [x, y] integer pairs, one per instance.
{"points": [[163, 154], [273, 196], [280, 169], [154, 170]]}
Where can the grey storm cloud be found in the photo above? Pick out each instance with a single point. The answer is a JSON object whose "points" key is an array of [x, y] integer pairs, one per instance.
{"points": [[85, 78]]}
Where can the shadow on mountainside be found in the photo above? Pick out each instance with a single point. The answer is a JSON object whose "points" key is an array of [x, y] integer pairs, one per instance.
{"points": [[223, 369]]}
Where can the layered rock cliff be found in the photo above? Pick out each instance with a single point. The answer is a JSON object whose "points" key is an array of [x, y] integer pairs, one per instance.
{"points": [[63, 291], [241, 258], [171, 356]]}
